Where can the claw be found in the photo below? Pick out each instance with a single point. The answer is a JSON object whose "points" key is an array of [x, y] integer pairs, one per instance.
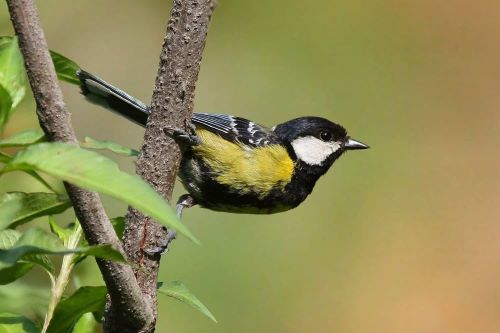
{"points": [[191, 128], [163, 248], [185, 201], [180, 136]]}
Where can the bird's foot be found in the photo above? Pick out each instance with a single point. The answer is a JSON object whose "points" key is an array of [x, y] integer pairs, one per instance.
{"points": [[185, 201], [185, 137]]}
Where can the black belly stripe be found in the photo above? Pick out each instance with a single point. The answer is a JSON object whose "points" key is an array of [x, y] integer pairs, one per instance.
{"points": [[216, 196]]}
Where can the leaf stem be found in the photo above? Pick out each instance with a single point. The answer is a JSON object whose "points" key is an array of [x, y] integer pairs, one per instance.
{"points": [[63, 278]]}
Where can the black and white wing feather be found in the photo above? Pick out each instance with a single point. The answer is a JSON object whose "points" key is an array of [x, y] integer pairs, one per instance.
{"points": [[236, 129]]}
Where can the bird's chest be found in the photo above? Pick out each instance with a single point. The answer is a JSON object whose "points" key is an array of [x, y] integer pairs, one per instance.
{"points": [[239, 180]]}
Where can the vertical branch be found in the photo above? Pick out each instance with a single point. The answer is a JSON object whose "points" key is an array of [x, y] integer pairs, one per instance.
{"points": [[172, 106], [55, 121]]}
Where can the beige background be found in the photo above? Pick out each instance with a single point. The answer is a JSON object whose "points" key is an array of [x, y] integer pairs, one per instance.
{"points": [[400, 238]]}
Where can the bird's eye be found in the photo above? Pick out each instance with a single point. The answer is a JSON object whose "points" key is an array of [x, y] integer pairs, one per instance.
{"points": [[325, 135]]}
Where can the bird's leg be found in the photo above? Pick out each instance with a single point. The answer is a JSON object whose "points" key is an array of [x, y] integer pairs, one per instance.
{"points": [[185, 201], [186, 138]]}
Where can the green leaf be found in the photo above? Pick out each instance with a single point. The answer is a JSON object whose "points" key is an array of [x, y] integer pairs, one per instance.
{"points": [[39, 179], [5, 106], [37, 241], [18, 207], [13, 323], [119, 225], [62, 233], [98, 173], [12, 76], [65, 68], [179, 291], [13, 273], [86, 324], [68, 311], [20, 297], [4, 158], [117, 148], [105, 251], [41, 260], [23, 138], [9, 238]]}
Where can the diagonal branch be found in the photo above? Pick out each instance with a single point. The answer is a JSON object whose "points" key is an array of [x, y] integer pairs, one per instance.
{"points": [[54, 119], [172, 107]]}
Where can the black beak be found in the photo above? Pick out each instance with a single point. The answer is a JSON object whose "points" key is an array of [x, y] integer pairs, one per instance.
{"points": [[351, 144]]}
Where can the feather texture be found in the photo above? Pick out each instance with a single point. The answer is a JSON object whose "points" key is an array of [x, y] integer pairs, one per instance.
{"points": [[236, 129], [255, 170]]}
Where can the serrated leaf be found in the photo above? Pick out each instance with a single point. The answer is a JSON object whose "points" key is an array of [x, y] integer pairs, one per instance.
{"points": [[37, 241], [18, 207], [179, 291], [117, 148], [98, 173], [68, 311], [5, 106], [12, 77], [65, 68], [13, 323], [23, 138], [13, 273]]}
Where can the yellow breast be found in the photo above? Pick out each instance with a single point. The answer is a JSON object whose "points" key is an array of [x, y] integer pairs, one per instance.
{"points": [[244, 168]]}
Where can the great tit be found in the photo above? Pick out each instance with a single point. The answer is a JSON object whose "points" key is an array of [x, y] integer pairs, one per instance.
{"points": [[235, 165]]}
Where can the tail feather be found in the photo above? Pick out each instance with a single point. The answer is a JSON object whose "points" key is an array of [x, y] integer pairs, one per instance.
{"points": [[104, 94]]}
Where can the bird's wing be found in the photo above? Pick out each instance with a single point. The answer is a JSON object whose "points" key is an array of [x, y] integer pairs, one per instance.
{"points": [[236, 129]]}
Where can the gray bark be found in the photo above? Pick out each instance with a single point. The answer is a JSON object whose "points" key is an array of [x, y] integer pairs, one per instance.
{"points": [[172, 107], [124, 291]]}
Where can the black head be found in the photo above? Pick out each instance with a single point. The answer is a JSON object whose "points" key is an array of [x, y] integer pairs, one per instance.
{"points": [[316, 141]]}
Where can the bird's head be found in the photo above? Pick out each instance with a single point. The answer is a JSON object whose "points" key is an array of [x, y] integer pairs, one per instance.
{"points": [[316, 142]]}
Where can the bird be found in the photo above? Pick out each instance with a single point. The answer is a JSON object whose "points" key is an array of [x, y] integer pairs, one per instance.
{"points": [[232, 164]]}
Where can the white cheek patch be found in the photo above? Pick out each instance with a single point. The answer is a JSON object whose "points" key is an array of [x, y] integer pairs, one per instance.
{"points": [[314, 151]]}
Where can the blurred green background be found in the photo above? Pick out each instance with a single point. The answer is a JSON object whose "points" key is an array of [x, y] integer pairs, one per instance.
{"points": [[399, 238]]}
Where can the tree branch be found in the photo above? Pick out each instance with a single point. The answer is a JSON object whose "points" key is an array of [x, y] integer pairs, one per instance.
{"points": [[172, 107], [55, 121]]}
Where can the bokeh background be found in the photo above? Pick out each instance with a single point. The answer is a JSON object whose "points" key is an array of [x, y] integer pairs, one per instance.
{"points": [[403, 237]]}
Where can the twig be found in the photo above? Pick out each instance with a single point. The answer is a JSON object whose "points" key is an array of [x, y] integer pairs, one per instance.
{"points": [[172, 106], [62, 279], [54, 119]]}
